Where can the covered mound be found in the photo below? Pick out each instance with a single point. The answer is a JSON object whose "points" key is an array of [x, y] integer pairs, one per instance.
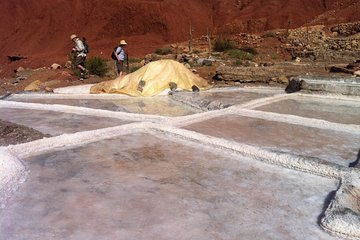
{"points": [[153, 79]]}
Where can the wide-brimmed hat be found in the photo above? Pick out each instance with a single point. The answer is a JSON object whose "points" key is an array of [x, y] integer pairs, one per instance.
{"points": [[122, 42], [73, 36]]}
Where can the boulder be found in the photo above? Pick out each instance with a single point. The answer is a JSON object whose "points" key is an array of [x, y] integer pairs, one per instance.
{"points": [[37, 85], [55, 66], [68, 65], [283, 79], [295, 85], [208, 62], [20, 69]]}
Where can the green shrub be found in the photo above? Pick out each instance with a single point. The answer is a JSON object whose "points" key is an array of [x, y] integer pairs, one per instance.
{"points": [[248, 49], [239, 54], [223, 44], [163, 51], [74, 69], [238, 62], [134, 60], [135, 68], [275, 56], [96, 66]]}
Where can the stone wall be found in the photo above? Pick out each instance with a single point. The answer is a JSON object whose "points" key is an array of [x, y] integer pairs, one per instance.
{"points": [[309, 37], [343, 44], [312, 42]]}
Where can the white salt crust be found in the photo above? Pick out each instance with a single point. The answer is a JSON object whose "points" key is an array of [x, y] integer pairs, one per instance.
{"points": [[12, 173], [342, 217]]}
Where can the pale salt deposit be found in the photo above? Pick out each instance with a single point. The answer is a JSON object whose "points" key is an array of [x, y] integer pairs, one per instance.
{"points": [[341, 218], [12, 173]]}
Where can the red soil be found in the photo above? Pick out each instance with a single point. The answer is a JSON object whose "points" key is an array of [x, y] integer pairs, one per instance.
{"points": [[40, 29]]}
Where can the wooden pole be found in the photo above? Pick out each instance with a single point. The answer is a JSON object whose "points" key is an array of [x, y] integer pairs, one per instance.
{"points": [[191, 38], [208, 35]]}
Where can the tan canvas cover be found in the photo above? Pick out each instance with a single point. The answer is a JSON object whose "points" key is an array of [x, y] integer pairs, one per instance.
{"points": [[156, 77]]}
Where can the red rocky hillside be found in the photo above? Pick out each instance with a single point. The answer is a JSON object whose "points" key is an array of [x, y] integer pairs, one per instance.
{"points": [[40, 29]]}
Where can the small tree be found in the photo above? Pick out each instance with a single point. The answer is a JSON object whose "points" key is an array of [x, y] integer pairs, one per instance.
{"points": [[208, 38], [191, 30]]}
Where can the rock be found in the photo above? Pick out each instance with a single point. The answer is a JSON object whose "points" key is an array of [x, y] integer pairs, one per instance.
{"points": [[48, 89], [34, 86], [340, 69], [21, 78], [207, 62], [357, 73], [20, 69], [248, 63], [294, 86], [15, 82], [68, 65], [16, 58], [297, 59], [55, 66], [283, 79], [187, 66], [200, 61], [266, 64]]}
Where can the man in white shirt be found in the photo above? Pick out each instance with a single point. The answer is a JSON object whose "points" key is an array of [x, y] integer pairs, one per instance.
{"points": [[80, 53]]}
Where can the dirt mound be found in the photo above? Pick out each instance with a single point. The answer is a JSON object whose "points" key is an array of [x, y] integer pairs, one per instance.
{"points": [[40, 29], [11, 133]]}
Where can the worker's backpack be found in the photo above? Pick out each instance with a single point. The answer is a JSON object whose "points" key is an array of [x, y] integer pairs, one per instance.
{"points": [[113, 54], [86, 46]]}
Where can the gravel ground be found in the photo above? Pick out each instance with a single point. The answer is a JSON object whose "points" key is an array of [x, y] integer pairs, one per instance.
{"points": [[11, 133]]}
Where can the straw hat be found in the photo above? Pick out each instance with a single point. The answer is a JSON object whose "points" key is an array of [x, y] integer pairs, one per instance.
{"points": [[122, 42], [73, 36]]}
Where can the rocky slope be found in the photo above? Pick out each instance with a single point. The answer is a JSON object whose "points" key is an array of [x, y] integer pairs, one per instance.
{"points": [[40, 29]]}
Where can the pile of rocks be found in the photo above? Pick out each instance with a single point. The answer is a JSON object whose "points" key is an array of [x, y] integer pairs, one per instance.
{"points": [[188, 59], [344, 44], [247, 39], [232, 75], [346, 29], [307, 37], [266, 73]]}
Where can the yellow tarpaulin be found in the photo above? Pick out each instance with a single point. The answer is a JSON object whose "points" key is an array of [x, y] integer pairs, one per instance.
{"points": [[153, 79]]}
